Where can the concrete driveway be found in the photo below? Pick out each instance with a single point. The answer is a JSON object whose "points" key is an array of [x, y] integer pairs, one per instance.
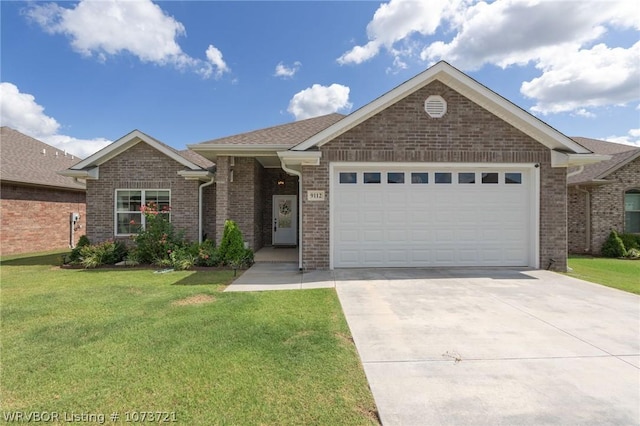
{"points": [[494, 347]]}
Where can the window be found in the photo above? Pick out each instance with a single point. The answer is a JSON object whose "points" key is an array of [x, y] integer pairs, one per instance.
{"points": [[490, 178], [348, 177], [395, 177], [513, 178], [419, 177], [467, 177], [632, 211], [443, 177], [129, 218], [371, 177]]}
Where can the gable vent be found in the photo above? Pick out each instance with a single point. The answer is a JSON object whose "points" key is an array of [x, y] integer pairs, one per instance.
{"points": [[435, 106]]}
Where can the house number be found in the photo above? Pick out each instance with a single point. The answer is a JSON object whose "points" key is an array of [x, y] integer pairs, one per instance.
{"points": [[315, 195]]}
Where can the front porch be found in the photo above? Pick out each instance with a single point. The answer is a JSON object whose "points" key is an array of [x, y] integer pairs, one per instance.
{"points": [[272, 254]]}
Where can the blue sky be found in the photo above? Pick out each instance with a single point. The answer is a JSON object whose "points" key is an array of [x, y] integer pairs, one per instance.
{"points": [[79, 75]]}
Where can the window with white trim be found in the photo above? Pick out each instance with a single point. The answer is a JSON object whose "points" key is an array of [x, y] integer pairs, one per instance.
{"points": [[632, 211], [129, 217]]}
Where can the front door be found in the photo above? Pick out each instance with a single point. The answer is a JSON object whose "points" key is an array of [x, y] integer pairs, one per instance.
{"points": [[284, 220]]}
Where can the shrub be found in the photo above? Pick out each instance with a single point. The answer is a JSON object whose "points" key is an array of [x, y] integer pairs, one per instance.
{"points": [[630, 241], [208, 254], [156, 242], [182, 258], [107, 253], [633, 253], [613, 246], [74, 256], [231, 250]]}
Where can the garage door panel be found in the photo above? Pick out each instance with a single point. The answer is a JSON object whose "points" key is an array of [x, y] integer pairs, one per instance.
{"points": [[408, 224]]}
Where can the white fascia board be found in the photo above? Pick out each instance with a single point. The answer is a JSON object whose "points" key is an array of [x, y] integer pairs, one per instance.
{"points": [[203, 175], [300, 158], [469, 88], [564, 159], [124, 143], [93, 173]]}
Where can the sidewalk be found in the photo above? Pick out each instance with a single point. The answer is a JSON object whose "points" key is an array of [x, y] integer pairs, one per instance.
{"points": [[263, 276]]}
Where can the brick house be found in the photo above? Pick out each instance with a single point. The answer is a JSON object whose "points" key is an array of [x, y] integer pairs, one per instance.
{"points": [[604, 196], [36, 202], [440, 171]]}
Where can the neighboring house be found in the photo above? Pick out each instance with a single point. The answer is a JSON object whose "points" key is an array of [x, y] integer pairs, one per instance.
{"points": [[36, 202], [604, 196], [440, 171]]}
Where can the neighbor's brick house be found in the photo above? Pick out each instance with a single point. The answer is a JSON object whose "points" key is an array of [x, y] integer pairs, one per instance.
{"points": [[604, 196], [36, 202], [440, 171]]}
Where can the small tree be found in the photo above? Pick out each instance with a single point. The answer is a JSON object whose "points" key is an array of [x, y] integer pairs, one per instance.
{"points": [[613, 246], [231, 250]]}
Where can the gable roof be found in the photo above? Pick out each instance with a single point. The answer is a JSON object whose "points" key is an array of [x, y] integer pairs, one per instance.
{"points": [[620, 156], [26, 160], [468, 87], [124, 143], [283, 136]]}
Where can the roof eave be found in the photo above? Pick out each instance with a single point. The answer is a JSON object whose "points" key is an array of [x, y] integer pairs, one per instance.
{"points": [[201, 175], [566, 159], [212, 151], [91, 173], [300, 158]]}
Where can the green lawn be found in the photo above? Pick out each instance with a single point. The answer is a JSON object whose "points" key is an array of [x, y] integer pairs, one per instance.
{"points": [[622, 274], [103, 341]]}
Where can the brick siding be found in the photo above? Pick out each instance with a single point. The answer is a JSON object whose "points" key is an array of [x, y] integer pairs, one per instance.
{"points": [[37, 219], [467, 133], [142, 167], [607, 209]]}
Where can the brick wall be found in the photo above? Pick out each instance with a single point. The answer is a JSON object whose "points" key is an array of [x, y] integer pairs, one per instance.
{"points": [[141, 167], [467, 133], [607, 203], [577, 220], [37, 219]]}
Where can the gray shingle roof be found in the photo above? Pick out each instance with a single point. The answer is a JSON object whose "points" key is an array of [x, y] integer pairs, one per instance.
{"points": [[196, 159], [620, 154], [285, 134], [24, 159]]}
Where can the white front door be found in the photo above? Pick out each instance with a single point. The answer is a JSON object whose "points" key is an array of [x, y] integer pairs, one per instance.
{"points": [[284, 220]]}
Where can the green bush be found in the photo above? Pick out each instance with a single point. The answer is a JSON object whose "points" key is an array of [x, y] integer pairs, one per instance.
{"points": [[613, 246], [231, 250], [155, 243], [106, 253], [74, 256], [208, 254], [630, 241], [182, 258], [633, 253]]}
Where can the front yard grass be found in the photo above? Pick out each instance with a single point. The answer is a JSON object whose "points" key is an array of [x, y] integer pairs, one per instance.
{"points": [[623, 274], [104, 341]]}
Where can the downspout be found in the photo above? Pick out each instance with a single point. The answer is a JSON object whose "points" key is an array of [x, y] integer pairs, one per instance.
{"points": [[211, 182], [576, 172], [299, 174]]}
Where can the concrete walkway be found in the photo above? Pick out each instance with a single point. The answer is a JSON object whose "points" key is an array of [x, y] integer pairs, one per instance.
{"points": [[265, 276]]}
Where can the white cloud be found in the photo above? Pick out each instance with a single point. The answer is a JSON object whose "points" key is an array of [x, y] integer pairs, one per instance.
{"points": [[214, 55], [319, 100], [287, 72], [558, 37], [396, 21], [631, 138], [109, 27], [21, 112], [586, 78]]}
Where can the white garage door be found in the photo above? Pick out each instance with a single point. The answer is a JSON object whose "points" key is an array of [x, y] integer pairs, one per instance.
{"points": [[394, 216]]}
